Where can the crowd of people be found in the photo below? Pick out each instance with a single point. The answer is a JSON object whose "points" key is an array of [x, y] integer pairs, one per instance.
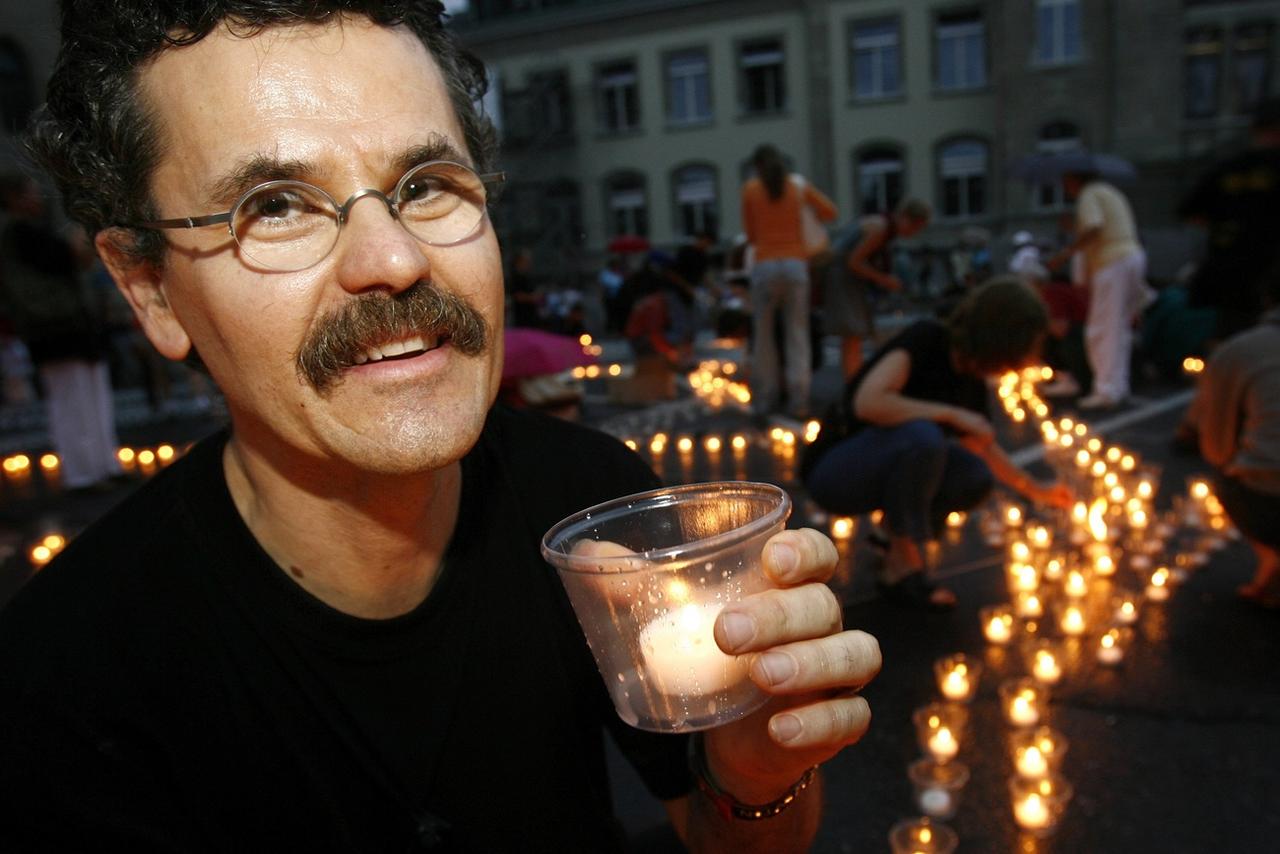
{"points": [[288, 638]]}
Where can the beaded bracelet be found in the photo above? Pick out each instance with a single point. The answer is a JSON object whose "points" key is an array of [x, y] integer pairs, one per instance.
{"points": [[726, 804]]}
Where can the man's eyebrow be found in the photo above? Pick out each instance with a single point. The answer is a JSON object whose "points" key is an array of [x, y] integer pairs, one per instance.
{"points": [[259, 169], [437, 148]]}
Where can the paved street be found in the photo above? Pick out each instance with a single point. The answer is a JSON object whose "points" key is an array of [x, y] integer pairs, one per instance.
{"points": [[1175, 750]]}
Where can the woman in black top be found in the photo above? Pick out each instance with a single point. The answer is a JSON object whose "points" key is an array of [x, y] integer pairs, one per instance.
{"points": [[914, 439]]}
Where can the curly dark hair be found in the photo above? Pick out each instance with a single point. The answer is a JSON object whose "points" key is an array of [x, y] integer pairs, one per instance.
{"points": [[999, 324], [97, 140]]}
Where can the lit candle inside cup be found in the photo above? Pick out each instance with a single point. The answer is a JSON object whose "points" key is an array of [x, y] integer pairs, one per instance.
{"points": [[955, 519], [922, 836], [842, 527], [1158, 586], [1013, 516], [1022, 701], [1045, 665], [1028, 605], [957, 677], [1075, 584], [1104, 566], [1019, 552], [1037, 753], [681, 656], [1054, 568], [1111, 647], [1072, 622], [937, 786], [938, 730], [1039, 803], [1023, 577], [1125, 609], [997, 625]]}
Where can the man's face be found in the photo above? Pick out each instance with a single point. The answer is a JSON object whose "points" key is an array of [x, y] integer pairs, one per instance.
{"points": [[337, 106]]}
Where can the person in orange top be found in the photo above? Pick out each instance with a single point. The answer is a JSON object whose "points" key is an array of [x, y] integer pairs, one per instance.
{"points": [[772, 202]]}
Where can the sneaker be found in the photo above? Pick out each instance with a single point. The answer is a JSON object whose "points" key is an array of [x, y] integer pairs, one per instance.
{"points": [[1098, 401]]}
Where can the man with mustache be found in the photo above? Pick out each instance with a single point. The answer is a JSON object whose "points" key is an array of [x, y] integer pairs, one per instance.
{"points": [[329, 628]]}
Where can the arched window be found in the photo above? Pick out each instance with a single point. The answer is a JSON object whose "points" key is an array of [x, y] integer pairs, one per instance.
{"points": [[626, 204], [879, 178], [963, 166], [1055, 138], [17, 92], [697, 200]]}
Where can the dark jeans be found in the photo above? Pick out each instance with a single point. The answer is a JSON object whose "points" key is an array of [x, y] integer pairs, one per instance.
{"points": [[911, 471], [1256, 514]]}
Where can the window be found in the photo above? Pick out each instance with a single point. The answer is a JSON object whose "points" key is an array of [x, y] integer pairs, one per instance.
{"points": [[697, 207], [619, 95], [627, 209], [879, 176], [1055, 138], [688, 88], [961, 51], [763, 82], [1250, 66], [962, 168], [1057, 31], [1203, 72], [876, 49]]}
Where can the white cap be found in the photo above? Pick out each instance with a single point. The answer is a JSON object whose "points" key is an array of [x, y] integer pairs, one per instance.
{"points": [[1022, 238]]}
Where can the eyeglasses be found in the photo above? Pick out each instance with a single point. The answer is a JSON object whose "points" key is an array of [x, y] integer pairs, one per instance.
{"points": [[286, 226]]}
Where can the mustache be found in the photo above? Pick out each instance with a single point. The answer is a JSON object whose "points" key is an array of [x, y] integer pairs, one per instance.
{"points": [[370, 319]]}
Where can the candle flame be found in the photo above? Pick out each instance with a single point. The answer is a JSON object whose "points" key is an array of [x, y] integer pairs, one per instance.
{"points": [[1097, 524]]}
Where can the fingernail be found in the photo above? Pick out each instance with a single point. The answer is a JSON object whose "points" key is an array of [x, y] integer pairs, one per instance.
{"points": [[777, 666], [785, 727], [739, 629], [785, 558]]}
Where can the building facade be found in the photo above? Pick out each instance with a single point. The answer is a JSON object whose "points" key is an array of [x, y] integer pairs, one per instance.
{"points": [[638, 117]]}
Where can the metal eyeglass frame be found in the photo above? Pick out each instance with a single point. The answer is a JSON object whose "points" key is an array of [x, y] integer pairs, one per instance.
{"points": [[486, 179]]}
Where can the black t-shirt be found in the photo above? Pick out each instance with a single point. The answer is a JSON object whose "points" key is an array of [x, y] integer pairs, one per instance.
{"points": [[933, 376], [165, 686]]}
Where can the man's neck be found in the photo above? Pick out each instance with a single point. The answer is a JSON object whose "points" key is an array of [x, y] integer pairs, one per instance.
{"points": [[368, 545]]}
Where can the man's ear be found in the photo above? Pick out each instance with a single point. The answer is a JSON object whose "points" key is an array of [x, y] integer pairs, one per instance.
{"points": [[140, 282]]}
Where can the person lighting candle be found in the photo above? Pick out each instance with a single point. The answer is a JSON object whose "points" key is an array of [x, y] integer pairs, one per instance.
{"points": [[910, 433]]}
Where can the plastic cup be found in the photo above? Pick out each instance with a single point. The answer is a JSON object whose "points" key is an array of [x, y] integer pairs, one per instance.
{"points": [[647, 575]]}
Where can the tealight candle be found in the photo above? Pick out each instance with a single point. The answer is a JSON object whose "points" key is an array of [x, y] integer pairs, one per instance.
{"points": [[1158, 586], [955, 519], [1125, 609], [1019, 551], [1104, 566], [1028, 605], [1037, 753], [937, 786], [943, 745], [938, 730], [922, 836], [681, 655], [1024, 577], [1022, 700], [1110, 649], [842, 527], [957, 677], [1075, 584], [1073, 621], [997, 625], [1045, 667], [1013, 516], [1039, 803]]}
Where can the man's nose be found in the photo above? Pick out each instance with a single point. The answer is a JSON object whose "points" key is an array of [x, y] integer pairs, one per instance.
{"points": [[375, 252]]}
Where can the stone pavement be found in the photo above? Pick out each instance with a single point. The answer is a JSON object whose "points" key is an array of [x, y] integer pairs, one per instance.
{"points": [[1175, 750]]}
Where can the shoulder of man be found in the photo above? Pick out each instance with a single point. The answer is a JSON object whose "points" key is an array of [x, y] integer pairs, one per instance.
{"points": [[560, 467]]}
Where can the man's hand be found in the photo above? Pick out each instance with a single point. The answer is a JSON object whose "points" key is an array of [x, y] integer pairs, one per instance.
{"points": [[1057, 495], [813, 668]]}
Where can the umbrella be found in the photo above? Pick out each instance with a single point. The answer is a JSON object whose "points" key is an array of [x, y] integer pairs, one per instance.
{"points": [[532, 352], [628, 243], [1049, 167]]}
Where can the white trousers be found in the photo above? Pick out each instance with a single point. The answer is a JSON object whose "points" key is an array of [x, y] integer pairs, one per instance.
{"points": [[1116, 296], [780, 284], [81, 419]]}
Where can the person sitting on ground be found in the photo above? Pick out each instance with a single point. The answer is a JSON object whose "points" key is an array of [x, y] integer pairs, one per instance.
{"points": [[910, 434], [1236, 414]]}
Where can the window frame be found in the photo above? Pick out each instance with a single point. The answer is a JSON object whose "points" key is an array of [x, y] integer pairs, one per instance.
{"points": [[740, 49], [1057, 54], [678, 207], [851, 51], [601, 99], [615, 182], [861, 153], [967, 214], [668, 88], [939, 22]]}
